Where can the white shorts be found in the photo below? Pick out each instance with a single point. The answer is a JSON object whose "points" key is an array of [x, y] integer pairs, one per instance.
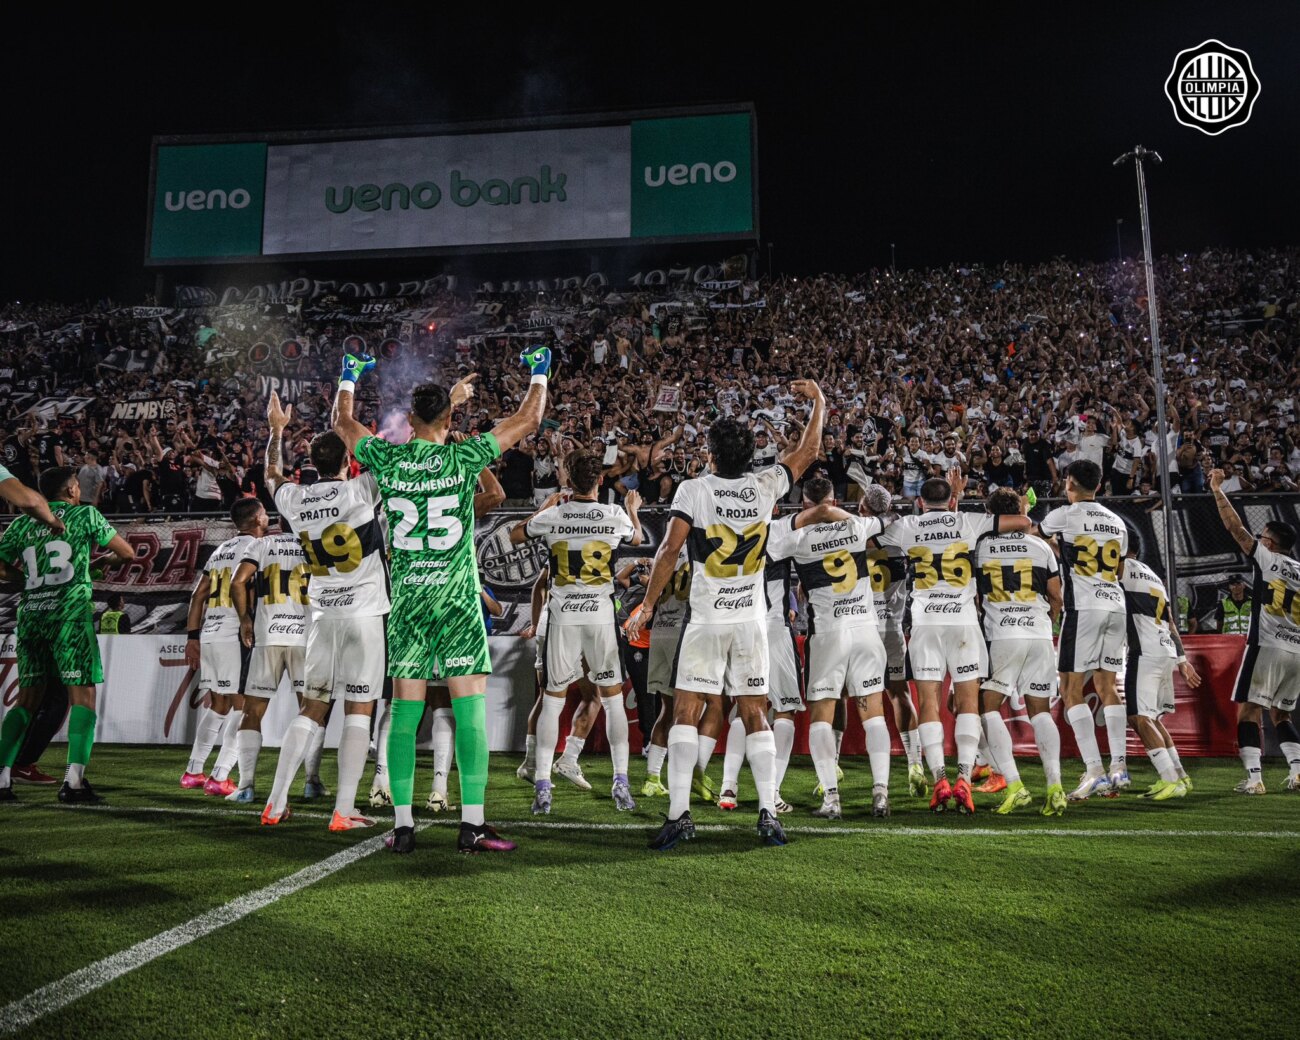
{"points": [[270, 663], [717, 659], [895, 653], [346, 657], [938, 650], [783, 668], [1269, 677], [539, 658], [219, 667], [1092, 640], [663, 652], [1024, 666], [840, 658], [567, 645], [1149, 685]]}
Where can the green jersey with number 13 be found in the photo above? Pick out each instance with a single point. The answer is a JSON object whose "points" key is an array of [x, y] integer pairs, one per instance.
{"points": [[428, 491], [56, 567]]}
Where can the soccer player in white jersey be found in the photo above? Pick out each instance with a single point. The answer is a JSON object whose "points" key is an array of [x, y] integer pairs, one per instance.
{"points": [[1154, 648], [275, 567], [1020, 589], [844, 649], [213, 646], [582, 536], [722, 518], [336, 523], [665, 634], [946, 636], [1093, 542], [1270, 671], [888, 567]]}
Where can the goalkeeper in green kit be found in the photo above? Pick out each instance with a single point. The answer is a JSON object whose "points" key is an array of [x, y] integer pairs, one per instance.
{"points": [[56, 633], [435, 628]]}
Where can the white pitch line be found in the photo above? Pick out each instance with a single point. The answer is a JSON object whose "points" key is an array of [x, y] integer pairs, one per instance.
{"points": [[62, 992]]}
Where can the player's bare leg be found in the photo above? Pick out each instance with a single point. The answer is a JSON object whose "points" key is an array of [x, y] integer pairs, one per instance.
{"points": [[1289, 741], [710, 729], [528, 766], [580, 726], [657, 753]]}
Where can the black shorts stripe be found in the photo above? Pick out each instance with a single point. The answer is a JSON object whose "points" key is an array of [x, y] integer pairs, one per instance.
{"points": [[1068, 644], [1131, 682], [677, 653], [802, 673], [1241, 691]]}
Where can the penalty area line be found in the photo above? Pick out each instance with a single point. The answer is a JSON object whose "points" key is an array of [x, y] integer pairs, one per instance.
{"points": [[59, 994]]}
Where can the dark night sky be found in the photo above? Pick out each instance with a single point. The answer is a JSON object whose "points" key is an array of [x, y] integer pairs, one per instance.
{"points": [[959, 136]]}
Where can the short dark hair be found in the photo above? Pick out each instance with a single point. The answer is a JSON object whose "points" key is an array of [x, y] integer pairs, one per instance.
{"points": [[731, 443], [1003, 501], [1282, 533], [243, 511], [117, 601], [1085, 474], [817, 489], [936, 492], [327, 454], [429, 402], [585, 469], [54, 481]]}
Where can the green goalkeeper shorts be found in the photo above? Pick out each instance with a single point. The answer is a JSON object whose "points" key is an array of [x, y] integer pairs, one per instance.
{"points": [[436, 641], [67, 651]]}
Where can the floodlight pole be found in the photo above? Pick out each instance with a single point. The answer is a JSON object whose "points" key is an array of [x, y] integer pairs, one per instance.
{"points": [[1138, 154]]}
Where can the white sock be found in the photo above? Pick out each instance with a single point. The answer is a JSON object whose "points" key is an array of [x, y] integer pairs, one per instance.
{"points": [[1048, 739], [683, 754], [1178, 762], [705, 752], [1000, 747], [205, 736], [1250, 757], [248, 743], [573, 746], [735, 755], [444, 736], [783, 733], [912, 745], [381, 746], [983, 756], [1163, 763], [229, 745], [616, 733], [402, 816], [548, 732], [76, 772], [654, 760], [967, 734], [877, 731], [311, 761], [4, 776], [292, 751], [354, 745], [821, 744], [1117, 736], [760, 748], [530, 750], [839, 742], [931, 734], [1085, 735], [1291, 752], [472, 814]]}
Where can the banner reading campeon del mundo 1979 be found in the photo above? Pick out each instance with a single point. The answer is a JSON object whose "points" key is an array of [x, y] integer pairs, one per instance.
{"points": [[666, 177]]}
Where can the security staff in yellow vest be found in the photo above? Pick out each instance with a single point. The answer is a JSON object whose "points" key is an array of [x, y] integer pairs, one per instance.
{"points": [[1232, 615], [115, 621]]}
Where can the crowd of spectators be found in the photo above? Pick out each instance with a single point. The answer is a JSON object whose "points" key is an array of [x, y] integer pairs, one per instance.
{"points": [[1008, 372]]}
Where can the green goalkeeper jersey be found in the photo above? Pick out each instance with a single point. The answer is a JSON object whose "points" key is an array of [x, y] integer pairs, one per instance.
{"points": [[428, 491], [56, 566]]}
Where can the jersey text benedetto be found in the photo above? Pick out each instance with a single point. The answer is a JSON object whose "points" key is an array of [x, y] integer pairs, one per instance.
{"points": [[581, 538], [1275, 614], [1013, 570], [56, 567], [940, 547], [728, 521], [1148, 611], [220, 621], [1093, 543], [281, 583], [428, 492], [339, 532], [831, 560]]}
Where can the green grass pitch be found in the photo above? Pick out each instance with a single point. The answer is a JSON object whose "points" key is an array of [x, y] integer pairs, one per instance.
{"points": [[1123, 919]]}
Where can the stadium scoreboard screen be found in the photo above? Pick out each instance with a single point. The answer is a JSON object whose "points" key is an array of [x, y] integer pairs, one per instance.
{"points": [[684, 175]]}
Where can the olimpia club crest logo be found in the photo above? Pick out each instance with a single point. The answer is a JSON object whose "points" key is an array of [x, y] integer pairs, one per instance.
{"points": [[1212, 87]]}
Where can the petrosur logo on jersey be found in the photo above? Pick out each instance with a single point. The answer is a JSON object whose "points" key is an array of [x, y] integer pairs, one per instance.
{"points": [[1213, 87], [679, 177]]}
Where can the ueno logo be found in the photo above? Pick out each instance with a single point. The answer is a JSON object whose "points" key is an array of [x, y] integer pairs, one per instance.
{"points": [[679, 174], [198, 199]]}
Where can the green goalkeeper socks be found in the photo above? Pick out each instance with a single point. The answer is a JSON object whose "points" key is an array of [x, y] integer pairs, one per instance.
{"points": [[406, 717], [81, 735], [12, 731], [471, 747]]}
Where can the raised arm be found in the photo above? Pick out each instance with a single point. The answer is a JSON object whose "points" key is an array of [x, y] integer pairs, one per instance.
{"points": [[801, 456], [352, 432], [24, 499], [528, 418], [665, 561], [490, 495], [1231, 520], [519, 533], [277, 418], [632, 501]]}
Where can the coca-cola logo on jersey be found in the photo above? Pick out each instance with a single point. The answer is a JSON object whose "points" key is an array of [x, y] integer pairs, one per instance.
{"points": [[850, 610], [740, 603], [744, 494], [943, 608], [1020, 621], [585, 606]]}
